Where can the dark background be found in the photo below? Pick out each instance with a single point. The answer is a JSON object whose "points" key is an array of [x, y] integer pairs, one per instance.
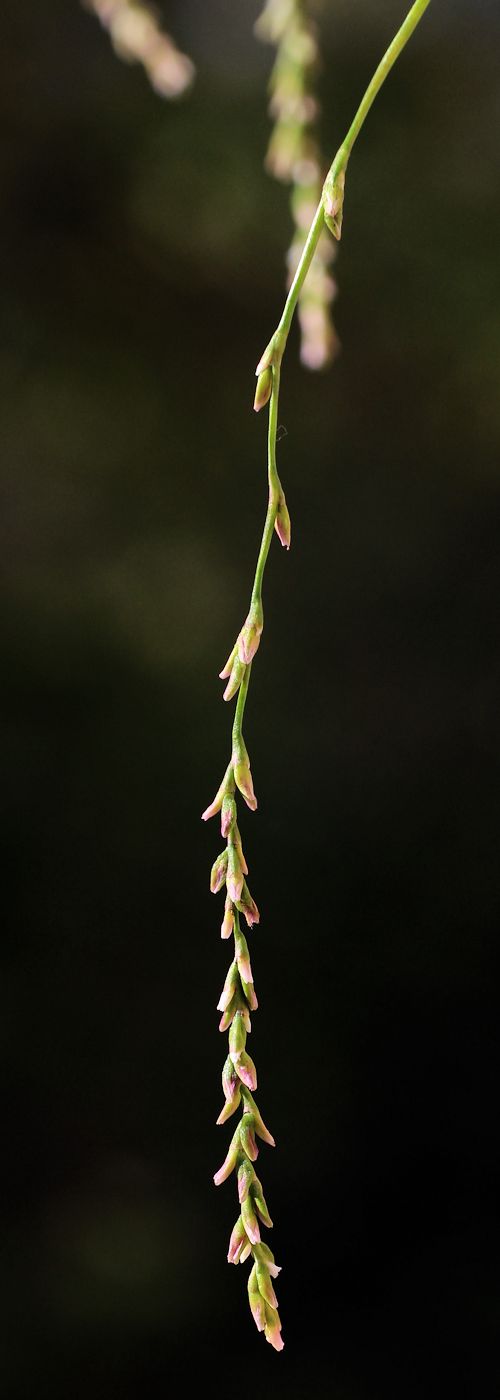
{"points": [[142, 276]]}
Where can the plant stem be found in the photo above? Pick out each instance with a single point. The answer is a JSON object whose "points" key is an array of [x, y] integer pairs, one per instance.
{"points": [[241, 701], [278, 342], [274, 487], [339, 163]]}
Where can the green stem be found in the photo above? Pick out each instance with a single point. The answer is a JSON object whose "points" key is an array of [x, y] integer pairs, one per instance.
{"points": [[398, 43], [240, 705], [339, 164], [274, 487], [277, 344]]}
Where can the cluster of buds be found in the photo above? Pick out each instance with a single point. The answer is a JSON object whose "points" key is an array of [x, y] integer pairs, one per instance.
{"points": [[237, 1000], [137, 37], [294, 157]]}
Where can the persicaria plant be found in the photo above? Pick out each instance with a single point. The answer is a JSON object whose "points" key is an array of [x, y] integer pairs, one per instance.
{"points": [[317, 208]]}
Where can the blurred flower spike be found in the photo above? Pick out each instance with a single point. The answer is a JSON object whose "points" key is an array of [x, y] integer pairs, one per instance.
{"points": [[137, 37]]}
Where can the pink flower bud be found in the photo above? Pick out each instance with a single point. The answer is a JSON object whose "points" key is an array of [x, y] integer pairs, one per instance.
{"points": [[250, 1220], [262, 1208], [231, 1160], [272, 1329], [249, 994], [228, 920], [226, 670], [267, 358], [229, 1108], [229, 988], [248, 907], [235, 678], [243, 780], [260, 1127], [237, 1242], [250, 635], [246, 1070], [264, 389], [228, 814], [247, 1137], [257, 1304], [243, 957], [228, 1015], [282, 523], [218, 872], [230, 1085], [267, 1255], [246, 1176], [226, 784]]}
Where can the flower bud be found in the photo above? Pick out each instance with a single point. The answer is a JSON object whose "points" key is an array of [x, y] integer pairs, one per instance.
{"points": [[228, 814], [230, 1161], [267, 1255], [248, 907], [282, 523], [234, 873], [257, 1304], [247, 1137], [237, 1037], [226, 670], [246, 1252], [246, 1018], [218, 872], [230, 986], [228, 920], [246, 1176], [249, 993], [270, 356], [251, 632], [230, 1083], [235, 678], [272, 1329], [264, 1282], [229, 1014], [227, 785], [333, 201], [237, 1242], [245, 1069], [242, 775], [229, 1108], [243, 956], [264, 389], [260, 1203], [250, 1220], [260, 1127]]}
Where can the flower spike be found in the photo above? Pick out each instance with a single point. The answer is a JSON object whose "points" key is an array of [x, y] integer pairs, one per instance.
{"points": [[293, 155]]}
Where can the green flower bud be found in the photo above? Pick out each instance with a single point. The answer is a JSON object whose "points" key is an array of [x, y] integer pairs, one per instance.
{"points": [[264, 389], [257, 1304], [247, 1137], [237, 1037], [333, 201], [250, 1220], [218, 872]]}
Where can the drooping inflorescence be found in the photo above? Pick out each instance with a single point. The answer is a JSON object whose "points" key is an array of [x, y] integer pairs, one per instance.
{"points": [[238, 996], [238, 999], [137, 36]]}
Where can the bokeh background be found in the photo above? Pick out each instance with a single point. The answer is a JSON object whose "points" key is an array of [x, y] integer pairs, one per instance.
{"points": [[142, 274]]}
